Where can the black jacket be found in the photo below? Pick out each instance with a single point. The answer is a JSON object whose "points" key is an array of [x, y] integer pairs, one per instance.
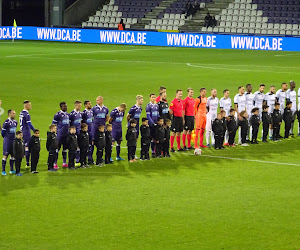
{"points": [[287, 115], [224, 122], [100, 139], [266, 117], [218, 127], [276, 117], [51, 143], [35, 144], [298, 115], [231, 124], [108, 139], [167, 133], [71, 142], [145, 133], [254, 120], [243, 123], [160, 133], [83, 140], [163, 109], [131, 136], [18, 148]]}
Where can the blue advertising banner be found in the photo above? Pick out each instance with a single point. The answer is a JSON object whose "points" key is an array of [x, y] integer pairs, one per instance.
{"points": [[150, 38]]}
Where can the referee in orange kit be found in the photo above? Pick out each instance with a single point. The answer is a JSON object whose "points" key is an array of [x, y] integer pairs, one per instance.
{"points": [[176, 109]]}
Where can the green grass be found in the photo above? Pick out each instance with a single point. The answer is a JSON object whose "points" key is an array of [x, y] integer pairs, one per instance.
{"points": [[185, 202]]}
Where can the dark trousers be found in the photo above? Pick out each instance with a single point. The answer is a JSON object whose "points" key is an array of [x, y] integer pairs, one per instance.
{"points": [[107, 154], [51, 159], [254, 133], [244, 131], [265, 131], [166, 147], [231, 137], [131, 152], [18, 162], [99, 155], [72, 155], [287, 127], [83, 156], [34, 160], [159, 148], [218, 141], [145, 150], [276, 129]]}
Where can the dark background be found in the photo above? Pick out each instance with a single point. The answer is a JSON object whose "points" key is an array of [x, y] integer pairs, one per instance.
{"points": [[26, 12]]}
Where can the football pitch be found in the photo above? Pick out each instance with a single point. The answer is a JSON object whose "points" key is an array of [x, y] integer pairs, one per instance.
{"points": [[236, 198]]}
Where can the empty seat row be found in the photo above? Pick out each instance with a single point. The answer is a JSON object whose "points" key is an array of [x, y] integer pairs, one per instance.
{"points": [[103, 25], [268, 26], [161, 27], [174, 16], [244, 18], [235, 12], [110, 7], [242, 6], [108, 13], [167, 22]]}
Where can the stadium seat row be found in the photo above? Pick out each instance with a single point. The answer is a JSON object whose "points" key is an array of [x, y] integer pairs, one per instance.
{"points": [[167, 22], [103, 25], [241, 18], [113, 20], [161, 27], [236, 12], [174, 16], [242, 6]]}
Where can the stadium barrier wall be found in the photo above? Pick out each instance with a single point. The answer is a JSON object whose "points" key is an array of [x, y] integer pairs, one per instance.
{"points": [[192, 40]]}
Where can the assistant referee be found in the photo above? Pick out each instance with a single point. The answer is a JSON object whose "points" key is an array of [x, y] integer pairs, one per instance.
{"points": [[176, 109]]}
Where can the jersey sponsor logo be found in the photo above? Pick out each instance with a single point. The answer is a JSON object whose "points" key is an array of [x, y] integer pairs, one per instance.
{"points": [[89, 120], [12, 130], [165, 111], [77, 121], [119, 119], [101, 115], [65, 121], [154, 113], [137, 115]]}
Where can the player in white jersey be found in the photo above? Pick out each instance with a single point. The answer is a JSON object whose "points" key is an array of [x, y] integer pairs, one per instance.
{"points": [[249, 106], [239, 106], [259, 97], [225, 104], [281, 96], [298, 111], [270, 100], [291, 95], [212, 108]]}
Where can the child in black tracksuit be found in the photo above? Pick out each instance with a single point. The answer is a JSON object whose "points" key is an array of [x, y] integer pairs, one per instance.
{"points": [[266, 121], [276, 121], [218, 129], [231, 127], [224, 122], [100, 143], [288, 119], [72, 145], [34, 149], [83, 143], [18, 151], [51, 146], [244, 127], [145, 139], [255, 122], [108, 144], [131, 137], [160, 133], [166, 147]]}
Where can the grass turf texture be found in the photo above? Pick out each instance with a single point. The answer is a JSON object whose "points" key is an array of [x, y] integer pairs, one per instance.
{"points": [[185, 202]]}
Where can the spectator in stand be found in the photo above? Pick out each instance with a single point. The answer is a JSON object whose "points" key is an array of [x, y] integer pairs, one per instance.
{"points": [[121, 25], [207, 20], [213, 22], [196, 7]]}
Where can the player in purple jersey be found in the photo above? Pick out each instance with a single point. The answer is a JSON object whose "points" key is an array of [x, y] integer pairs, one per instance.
{"points": [[87, 118], [116, 118], [26, 127], [100, 113], [62, 120], [8, 133], [75, 120], [152, 111], [135, 112]]}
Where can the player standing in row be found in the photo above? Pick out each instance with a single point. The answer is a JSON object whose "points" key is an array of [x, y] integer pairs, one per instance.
{"points": [[62, 121], [116, 118], [75, 120], [26, 127], [270, 100], [176, 109], [152, 112], [239, 106], [212, 111], [87, 118], [291, 96], [281, 98], [189, 117], [161, 91], [258, 99], [249, 106], [8, 133], [200, 117], [135, 112], [225, 104]]}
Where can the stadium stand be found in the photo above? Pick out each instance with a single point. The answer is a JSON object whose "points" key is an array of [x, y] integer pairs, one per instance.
{"points": [[265, 17]]}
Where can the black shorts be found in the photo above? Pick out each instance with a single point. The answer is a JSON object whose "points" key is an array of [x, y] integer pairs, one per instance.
{"points": [[177, 124], [189, 123]]}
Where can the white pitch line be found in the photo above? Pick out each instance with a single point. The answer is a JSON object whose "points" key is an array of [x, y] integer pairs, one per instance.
{"points": [[289, 55], [84, 52]]}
